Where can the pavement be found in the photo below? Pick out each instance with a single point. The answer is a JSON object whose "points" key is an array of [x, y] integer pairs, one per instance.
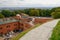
{"points": [[43, 32]]}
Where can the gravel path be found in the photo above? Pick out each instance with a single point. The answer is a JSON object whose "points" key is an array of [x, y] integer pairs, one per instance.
{"points": [[43, 32]]}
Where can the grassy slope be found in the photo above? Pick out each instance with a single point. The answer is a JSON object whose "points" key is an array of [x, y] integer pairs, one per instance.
{"points": [[56, 32], [23, 33]]}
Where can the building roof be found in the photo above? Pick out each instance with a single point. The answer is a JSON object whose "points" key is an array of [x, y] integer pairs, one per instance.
{"points": [[8, 20]]}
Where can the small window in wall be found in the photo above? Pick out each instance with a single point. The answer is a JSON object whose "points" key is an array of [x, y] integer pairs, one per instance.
{"points": [[0, 28], [15, 24], [8, 26]]}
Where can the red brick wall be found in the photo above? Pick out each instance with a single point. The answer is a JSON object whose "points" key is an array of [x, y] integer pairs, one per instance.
{"points": [[24, 25], [38, 20], [19, 25], [11, 27]]}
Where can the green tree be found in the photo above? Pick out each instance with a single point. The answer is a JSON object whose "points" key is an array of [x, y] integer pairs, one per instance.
{"points": [[1, 16], [27, 11], [34, 12], [55, 15], [56, 9], [13, 13], [19, 11], [46, 13], [6, 13], [40, 12]]}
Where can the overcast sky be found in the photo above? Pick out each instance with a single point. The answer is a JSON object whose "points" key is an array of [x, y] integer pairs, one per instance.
{"points": [[29, 3]]}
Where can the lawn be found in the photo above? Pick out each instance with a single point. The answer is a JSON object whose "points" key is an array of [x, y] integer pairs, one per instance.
{"points": [[56, 32], [24, 32]]}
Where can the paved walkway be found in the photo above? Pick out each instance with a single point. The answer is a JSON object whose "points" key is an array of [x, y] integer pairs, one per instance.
{"points": [[42, 32]]}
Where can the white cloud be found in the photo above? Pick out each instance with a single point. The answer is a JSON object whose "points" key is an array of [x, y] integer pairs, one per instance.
{"points": [[8, 2], [29, 2]]}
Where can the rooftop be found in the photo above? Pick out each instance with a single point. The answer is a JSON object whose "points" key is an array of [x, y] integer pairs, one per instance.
{"points": [[7, 20]]}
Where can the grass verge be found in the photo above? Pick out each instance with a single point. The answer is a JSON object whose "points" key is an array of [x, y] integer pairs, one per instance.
{"points": [[56, 32], [24, 32]]}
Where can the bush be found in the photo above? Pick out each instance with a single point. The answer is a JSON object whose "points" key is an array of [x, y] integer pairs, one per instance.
{"points": [[55, 15]]}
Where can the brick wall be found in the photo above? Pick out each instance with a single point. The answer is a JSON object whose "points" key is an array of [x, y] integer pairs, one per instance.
{"points": [[24, 25], [42, 20], [4, 28]]}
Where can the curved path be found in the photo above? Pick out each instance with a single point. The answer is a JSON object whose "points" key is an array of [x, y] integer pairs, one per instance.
{"points": [[43, 32]]}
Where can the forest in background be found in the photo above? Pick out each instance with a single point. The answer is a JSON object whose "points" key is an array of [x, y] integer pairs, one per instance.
{"points": [[54, 12]]}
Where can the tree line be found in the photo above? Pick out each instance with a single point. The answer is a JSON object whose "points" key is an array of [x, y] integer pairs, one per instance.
{"points": [[54, 12]]}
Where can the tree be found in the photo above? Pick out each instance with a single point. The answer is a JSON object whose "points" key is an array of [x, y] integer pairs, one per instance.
{"points": [[1, 16], [55, 15], [19, 11], [13, 13], [6, 13], [46, 13], [56, 9], [27, 11], [40, 11], [34, 12]]}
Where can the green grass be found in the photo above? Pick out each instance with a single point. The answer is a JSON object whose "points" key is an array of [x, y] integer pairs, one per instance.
{"points": [[56, 32], [23, 33]]}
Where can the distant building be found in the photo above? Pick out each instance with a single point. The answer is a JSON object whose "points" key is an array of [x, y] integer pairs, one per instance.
{"points": [[15, 24], [20, 22]]}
